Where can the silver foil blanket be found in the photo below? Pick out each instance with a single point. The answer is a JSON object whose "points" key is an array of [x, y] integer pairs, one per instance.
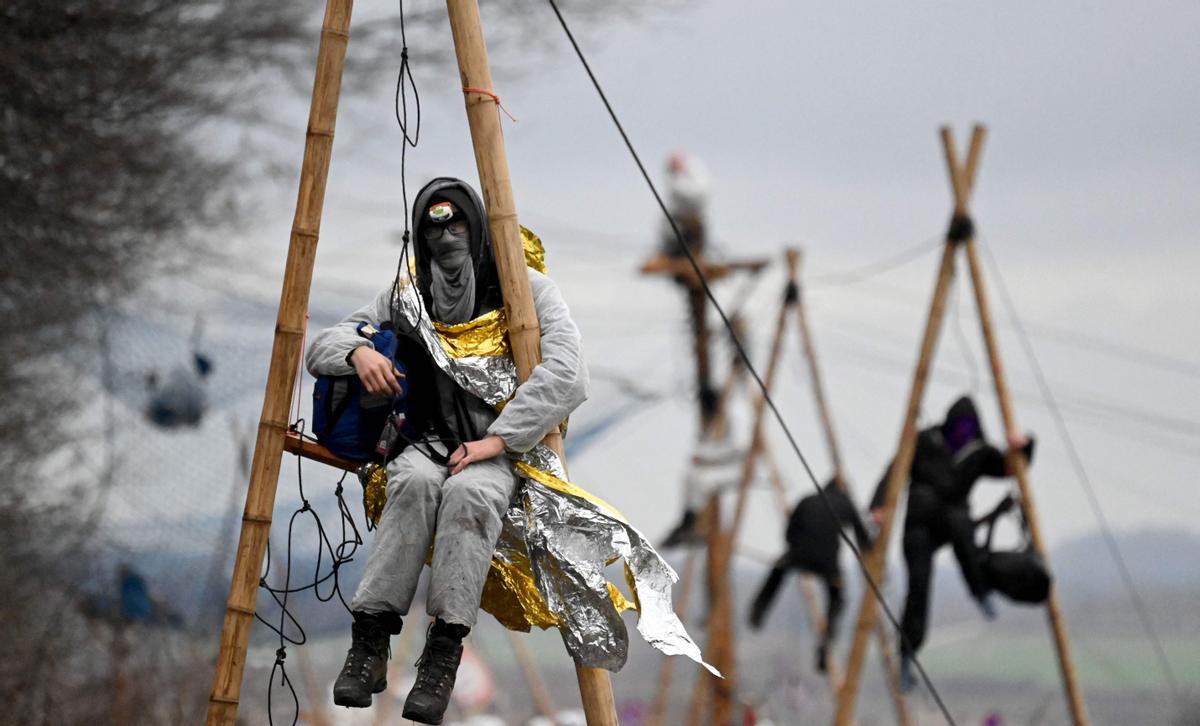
{"points": [[569, 540]]}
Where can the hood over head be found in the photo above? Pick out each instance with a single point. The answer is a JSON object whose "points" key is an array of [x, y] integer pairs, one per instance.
{"points": [[464, 198], [962, 425]]}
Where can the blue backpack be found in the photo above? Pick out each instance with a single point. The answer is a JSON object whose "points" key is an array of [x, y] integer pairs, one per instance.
{"points": [[347, 419]]}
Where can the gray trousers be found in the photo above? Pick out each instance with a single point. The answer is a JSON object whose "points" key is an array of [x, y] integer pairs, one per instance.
{"points": [[459, 515]]}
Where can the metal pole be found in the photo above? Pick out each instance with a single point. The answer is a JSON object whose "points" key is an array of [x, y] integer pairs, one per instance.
{"points": [[524, 332], [285, 352]]}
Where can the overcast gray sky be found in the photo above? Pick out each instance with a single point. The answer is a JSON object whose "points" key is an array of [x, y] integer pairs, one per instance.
{"points": [[819, 124]]}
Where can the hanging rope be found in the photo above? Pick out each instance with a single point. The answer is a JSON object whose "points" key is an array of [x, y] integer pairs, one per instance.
{"points": [[1085, 481], [874, 586], [338, 556], [404, 83]]}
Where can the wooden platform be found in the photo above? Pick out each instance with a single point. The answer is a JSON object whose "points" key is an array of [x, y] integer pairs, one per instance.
{"points": [[292, 443]]}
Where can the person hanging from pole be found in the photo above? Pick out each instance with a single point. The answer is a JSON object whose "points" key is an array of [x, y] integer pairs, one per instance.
{"points": [[949, 459], [714, 466], [470, 441], [814, 547]]}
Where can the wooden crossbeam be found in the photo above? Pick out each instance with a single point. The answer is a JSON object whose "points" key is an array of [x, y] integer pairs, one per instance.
{"points": [[680, 267], [294, 444]]}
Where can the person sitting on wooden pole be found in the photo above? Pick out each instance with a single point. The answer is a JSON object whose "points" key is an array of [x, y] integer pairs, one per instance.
{"points": [[814, 546], [451, 486], [950, 458]]}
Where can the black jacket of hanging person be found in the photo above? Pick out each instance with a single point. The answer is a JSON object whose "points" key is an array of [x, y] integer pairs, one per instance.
{"points": [[942, 476], [813, 535]]}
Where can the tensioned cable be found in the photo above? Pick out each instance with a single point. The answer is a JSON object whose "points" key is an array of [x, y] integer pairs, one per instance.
{"points": [[878, 594], [1058, 336], [871, 269], [1110, 540]]}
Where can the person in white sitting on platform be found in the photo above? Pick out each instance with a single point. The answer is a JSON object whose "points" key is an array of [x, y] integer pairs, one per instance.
{"points": [[450, 487]]}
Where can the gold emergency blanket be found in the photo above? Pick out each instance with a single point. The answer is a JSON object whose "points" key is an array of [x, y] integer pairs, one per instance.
{"points": [[557, 539]]}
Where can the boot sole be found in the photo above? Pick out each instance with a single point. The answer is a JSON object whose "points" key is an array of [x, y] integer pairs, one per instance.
{"points": [[419, 717], [344, 699]]}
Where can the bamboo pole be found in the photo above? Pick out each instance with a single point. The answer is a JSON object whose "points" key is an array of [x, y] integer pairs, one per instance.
{"points": [[818, 391], [1017, 464], [876, 559], [281, 377], [703, 689], [533, 678], [524, 332], [721, 618], [841, 481]]}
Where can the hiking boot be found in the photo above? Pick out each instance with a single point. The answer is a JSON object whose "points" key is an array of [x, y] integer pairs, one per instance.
{"points": [[436, 670], [365, 671]]}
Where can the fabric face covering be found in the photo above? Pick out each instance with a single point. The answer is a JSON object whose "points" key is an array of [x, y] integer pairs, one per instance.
{"points": [[453, 272]]}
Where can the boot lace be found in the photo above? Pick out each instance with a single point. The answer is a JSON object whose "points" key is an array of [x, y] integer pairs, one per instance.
{"points": [[363, 655], [436, 669]]}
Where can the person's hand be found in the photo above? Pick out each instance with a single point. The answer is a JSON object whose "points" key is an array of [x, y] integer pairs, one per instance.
{"points": [[376, 371], [471, 451], [877, 516], [1017, 441]]}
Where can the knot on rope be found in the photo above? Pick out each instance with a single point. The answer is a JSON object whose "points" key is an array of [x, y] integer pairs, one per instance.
{"points": [[962, 228], [306, 506], [492, 95], [280, 655]]}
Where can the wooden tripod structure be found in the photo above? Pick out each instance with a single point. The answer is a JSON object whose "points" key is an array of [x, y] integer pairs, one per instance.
{"points": [[716, 696], [524, 333], [961, 233]]}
